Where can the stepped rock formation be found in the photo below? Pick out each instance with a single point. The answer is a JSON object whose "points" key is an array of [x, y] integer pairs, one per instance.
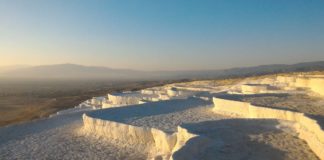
{"points": [[307, 128], [315, 83], [164, 145]]}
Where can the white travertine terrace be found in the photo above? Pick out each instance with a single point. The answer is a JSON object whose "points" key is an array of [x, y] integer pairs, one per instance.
{"points": [[307, 128], [143, 96], [165, 145], [124, 99], [254, 88], [173, 92], [183, 124], [315, 83], [97, 102]]}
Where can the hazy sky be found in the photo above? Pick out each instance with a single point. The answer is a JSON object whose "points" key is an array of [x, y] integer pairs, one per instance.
{"points": [[161, 35]]}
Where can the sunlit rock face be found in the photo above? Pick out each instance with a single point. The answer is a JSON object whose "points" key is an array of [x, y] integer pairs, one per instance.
{"points": [[162, 145], [124, 99], [254, 88], [137, 97], [313, 82]]}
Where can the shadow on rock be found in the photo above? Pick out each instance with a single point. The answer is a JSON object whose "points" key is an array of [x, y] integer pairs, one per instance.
{"points": [[318, 118], [230, 140]]}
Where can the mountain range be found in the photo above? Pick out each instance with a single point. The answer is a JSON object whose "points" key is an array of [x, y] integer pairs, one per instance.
{"points": [[74, 71]]}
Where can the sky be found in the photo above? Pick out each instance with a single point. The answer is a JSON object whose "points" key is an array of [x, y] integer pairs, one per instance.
{"points": [[161, 34]]}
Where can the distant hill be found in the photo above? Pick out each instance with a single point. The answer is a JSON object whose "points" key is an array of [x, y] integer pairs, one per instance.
{"points": [[73, 71], [264, 69], [4, 69], [69, 71]]}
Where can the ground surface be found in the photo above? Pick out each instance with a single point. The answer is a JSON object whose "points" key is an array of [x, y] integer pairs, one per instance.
{"points": [[25, 100], [310, 105], [233, 138], [296, 102], [230, 138], [62, 137]]}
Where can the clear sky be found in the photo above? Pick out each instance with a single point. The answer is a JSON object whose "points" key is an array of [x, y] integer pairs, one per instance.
{"points": [[161, 35]]}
